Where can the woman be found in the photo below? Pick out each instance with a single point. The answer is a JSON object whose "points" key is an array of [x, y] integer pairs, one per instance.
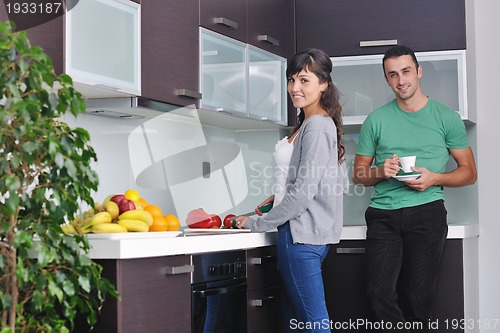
{"points": [[311, 179]]}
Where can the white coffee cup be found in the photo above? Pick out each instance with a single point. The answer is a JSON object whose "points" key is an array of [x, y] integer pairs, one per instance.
{"points": [[407, 163]]}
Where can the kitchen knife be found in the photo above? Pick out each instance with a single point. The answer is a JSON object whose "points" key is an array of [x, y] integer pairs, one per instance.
{"points": [[264, 209]]}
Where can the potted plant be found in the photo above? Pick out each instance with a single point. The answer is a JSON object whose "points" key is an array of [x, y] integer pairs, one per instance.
{"points": [[47, 280]]}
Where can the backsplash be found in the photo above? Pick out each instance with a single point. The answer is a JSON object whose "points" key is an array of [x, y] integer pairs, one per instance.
{"points": [[179, 164]]}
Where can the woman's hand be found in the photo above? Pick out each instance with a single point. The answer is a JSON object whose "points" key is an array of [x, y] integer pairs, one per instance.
{"points": [[240, 221]]}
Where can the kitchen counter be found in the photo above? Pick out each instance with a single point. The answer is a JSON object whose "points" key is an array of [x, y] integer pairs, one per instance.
{"points": [[156, 247]]}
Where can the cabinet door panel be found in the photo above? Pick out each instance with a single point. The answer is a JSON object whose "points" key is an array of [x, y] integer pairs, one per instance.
{"points": [[153, 301], [49, 36], [262, 269], [267, 25], [170, 50], [227, 17], [263, 309], [430, 26]]}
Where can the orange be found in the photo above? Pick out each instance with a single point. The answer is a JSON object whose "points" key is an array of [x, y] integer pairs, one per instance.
{"points": [[154, 210], [159, 224], [173, 223], [143, 202]]}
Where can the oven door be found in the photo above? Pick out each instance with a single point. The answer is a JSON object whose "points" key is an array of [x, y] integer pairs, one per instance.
{"points": [[219, 307]]}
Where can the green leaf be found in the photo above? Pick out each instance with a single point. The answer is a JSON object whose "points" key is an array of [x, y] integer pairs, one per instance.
{"points": [[29, 147], [84, 283], [54, 290]]}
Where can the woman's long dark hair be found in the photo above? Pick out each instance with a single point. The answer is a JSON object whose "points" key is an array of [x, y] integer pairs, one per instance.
{"points": [[317, 61]]}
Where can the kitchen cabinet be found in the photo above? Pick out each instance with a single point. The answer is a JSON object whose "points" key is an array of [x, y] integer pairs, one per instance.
{"points": [[263, 291], [97, 43], [170, 51], [363, 86], [360, 27], [262, 23], [268, 25], [49, 36], [155, 295], [102, 45], [241, 80], [227, 17], [343, 273]]}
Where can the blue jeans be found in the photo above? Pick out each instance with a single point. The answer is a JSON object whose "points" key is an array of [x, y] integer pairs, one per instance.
{"points": [[403, 248], [303, 303]]}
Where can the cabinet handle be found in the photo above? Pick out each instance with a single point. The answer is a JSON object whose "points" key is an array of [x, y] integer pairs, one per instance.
{"points": [[176, 270], [101, 85], [269, 39], [227, 22], [385, 42], [263, 260], [260, 302], [188, 93], [350, 250]]}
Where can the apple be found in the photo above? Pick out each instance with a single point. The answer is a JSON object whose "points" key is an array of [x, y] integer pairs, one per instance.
{"points": [[228, 223], [117, 198], [217, 220], [108, 198], [112, 208], [125, 205]]}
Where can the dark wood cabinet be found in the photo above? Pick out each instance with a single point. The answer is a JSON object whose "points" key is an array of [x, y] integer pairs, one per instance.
{"points": [[49, 36], [267, 25], [153, 298], [343, 274], [263, 291], [170, 51], [338, 26], [227, 17]]}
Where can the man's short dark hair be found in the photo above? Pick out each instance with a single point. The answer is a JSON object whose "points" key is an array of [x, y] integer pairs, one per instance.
{"points": [[398, 51]]}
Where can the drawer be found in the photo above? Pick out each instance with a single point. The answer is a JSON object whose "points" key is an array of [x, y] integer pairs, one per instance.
{"points": [[263, 310], [262, 268]]}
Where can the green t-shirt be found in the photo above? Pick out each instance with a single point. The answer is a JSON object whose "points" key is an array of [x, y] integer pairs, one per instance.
{"points": [[427, 133]]}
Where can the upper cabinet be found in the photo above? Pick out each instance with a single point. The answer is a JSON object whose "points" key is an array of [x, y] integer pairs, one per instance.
{"points": [[363, 87], [241, 80], [97, 43], [170, 51], [102, 45], [268, 25], [361, 27], [227, 17], [262, 23]]}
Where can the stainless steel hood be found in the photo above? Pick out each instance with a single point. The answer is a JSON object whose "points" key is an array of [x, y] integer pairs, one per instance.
{"points": [[127, 107]]}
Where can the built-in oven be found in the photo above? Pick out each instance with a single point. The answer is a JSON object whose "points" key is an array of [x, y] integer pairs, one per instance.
{"points": [[219, 293]]}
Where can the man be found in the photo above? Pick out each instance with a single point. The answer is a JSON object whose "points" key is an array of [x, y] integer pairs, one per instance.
{"points": [[406, 221]]}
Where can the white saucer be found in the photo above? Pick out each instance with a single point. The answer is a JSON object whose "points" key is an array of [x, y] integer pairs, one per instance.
{"points": [[402, 178]]}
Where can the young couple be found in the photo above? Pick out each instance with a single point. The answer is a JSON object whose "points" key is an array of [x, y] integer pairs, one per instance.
{"points": [[406, 221]]}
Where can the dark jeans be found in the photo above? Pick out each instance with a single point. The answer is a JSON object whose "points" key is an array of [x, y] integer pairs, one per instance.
{"points": [[406, 245]]}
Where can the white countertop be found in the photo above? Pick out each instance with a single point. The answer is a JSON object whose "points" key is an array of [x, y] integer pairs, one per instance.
{"points": [[129, 248]]}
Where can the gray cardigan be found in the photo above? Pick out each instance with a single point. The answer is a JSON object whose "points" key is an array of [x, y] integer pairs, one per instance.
{"points": [[316, 183]]}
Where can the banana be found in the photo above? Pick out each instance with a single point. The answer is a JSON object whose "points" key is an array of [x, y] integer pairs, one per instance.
{"points": [[104, 228], [68, 229], [101, 217], [135, 214], [134, 225]]}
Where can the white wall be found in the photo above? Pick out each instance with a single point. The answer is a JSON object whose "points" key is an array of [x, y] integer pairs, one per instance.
{"points": [[484, 50]]}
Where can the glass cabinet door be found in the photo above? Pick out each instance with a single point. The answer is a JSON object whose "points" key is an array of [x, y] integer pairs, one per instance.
{"points": [[267, 86], [363, 88], [223, 73], [103, 44]]}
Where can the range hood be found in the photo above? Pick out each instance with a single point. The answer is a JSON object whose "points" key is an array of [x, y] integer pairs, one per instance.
{"points": [[127, 107], [123, 108]]}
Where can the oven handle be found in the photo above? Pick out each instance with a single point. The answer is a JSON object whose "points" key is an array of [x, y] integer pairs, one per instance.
{"points": [[221, 290]]}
